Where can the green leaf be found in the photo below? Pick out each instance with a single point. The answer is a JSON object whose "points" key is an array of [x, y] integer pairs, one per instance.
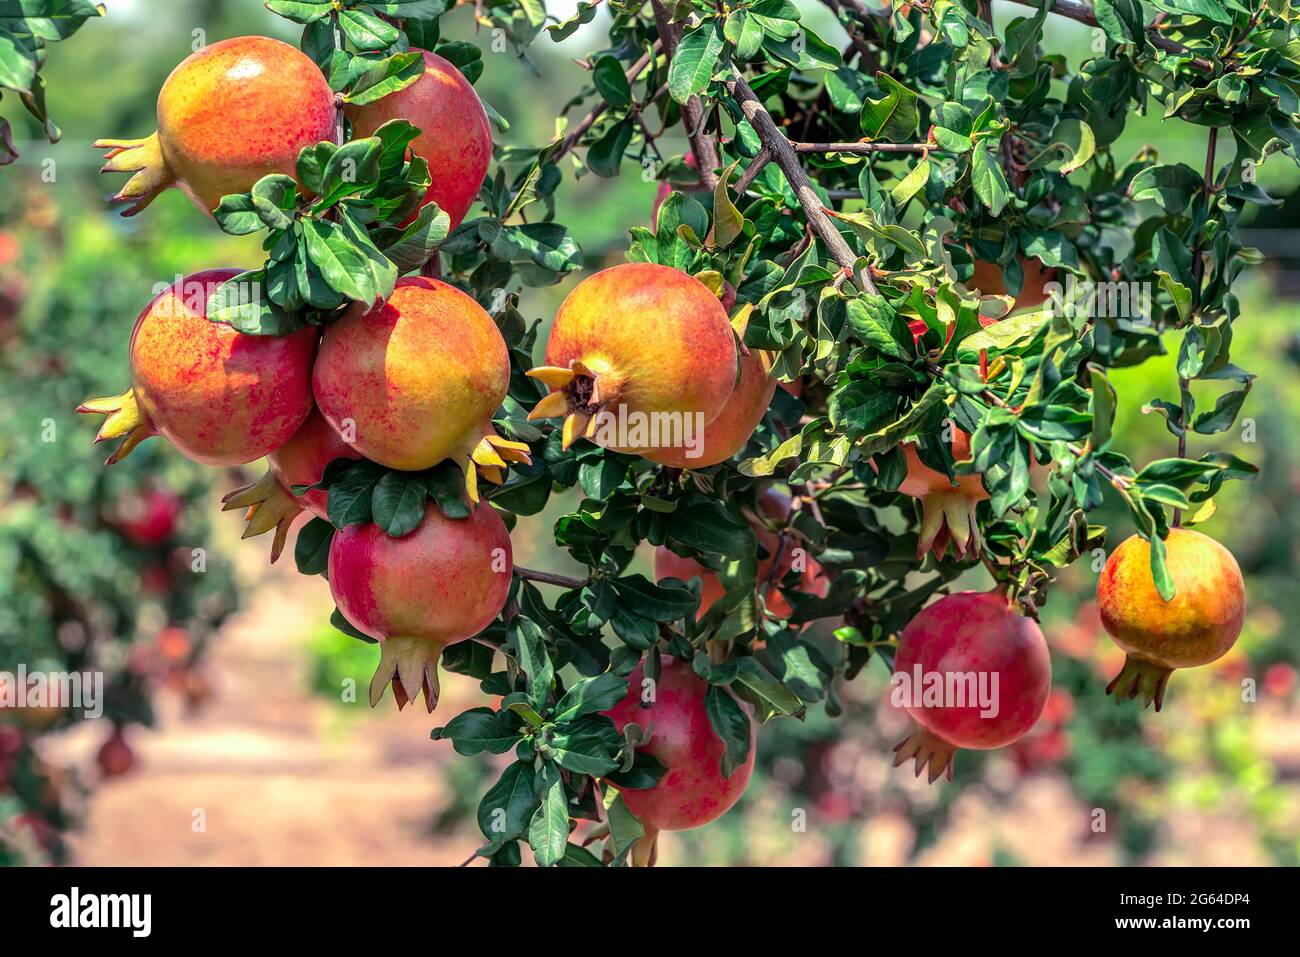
{"points": [[397, 505], [533, 659], [311, 551], [1164, 581], [611, 82], [507, 807], [1209, 9], [605, 156], [731, 724], [478, 730], [728, 223], [1224, 413], [764, 688], [694, 62], [386, 76], [548, 832], [657, 602], [894, 116], [418, 242], [1121, 19], [237, 215], [911, 184], [351, 168], [366, 31], [348, 260], [586, 746], [243, 303], [590, 695], [879, 326], [1102, 407], [300, 11], [989, 180], [706, 526], [1169, 187], [351, 496]]}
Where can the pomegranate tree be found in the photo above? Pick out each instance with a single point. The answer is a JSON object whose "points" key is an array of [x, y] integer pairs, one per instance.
{"points": [[860, 220]]}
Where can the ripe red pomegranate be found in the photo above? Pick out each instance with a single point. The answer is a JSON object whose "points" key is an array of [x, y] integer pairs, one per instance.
{"points": [[775, 505], [269, 502], [229, 114], [147, 517], [974, 673], [730, 430], [418, 381], [1197, 626], [692, 791], [647, 344], [455, 138], [115, 757], [947, 510], [443, 583], [219, 396]]}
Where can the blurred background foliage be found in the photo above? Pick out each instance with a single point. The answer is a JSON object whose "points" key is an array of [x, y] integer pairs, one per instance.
{"points": [[1214, 778]]}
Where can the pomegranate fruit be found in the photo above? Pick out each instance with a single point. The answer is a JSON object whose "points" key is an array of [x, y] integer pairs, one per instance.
{"points": [[221, 397], [989, 280], [947, 510], [776, 505], [115, 757], [730, 430], [443, 583], [455, 135], [418, 381], [1197, 626], [973, 673], [270, 502], [649, 346], [692, 791], [148, 517], [229, 114]]}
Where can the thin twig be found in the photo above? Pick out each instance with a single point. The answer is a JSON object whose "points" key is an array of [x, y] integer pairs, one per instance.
{"points": [[548, 578], [865, 51], [752, 170], [578, 132], [783, 153]]}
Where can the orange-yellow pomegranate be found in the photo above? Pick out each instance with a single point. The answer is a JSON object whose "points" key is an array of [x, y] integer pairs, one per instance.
{"points": [[229, 114], [1197, 626], [727, 434], [270, 502], [221, 397], [990, 281], [455, 135], [443, 583], [417, 382], [775, 505], [947, 510], [648, 346]]}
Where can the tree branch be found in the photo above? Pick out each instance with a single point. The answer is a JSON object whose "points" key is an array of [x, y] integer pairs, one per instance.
{"points": [[865, 50], [1082, 13], [784, 155], [705, 149]]}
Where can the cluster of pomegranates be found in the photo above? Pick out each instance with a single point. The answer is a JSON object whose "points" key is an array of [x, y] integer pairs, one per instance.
{"points": [[416, 382]]}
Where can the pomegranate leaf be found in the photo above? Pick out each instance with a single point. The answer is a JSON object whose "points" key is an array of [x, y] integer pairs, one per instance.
{"points": [[731, 725], [480, 729], [507, 807]]}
